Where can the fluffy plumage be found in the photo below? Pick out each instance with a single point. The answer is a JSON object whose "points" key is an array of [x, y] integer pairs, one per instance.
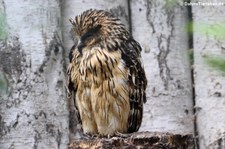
{"points": [[105, 75]]}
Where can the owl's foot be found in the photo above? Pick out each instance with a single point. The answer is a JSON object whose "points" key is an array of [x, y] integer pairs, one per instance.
{"points": [[89, 136]]}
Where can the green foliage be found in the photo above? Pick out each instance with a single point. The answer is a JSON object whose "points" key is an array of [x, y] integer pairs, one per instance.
{"points": [[216, 62], [3, 26], [3, 86], [216, 29], [189, 28], [3, 83], [171, 3]]}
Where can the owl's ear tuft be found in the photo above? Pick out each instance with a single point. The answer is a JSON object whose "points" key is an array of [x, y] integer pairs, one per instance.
{"points": [[72, 21]]}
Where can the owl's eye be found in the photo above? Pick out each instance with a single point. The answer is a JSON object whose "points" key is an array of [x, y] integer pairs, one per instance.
{"points": [[90, 33], [86, 36]]}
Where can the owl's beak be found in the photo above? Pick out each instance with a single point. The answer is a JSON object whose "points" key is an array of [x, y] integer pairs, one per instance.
{"points": [[80, 46], [78, 42]]}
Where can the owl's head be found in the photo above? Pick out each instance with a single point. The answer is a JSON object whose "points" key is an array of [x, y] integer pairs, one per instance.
{"points": [[99, 28]]}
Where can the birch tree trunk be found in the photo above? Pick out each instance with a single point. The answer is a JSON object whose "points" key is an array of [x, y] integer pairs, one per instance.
{"points": [[209, 82], [160, 27], [73, 8], [33, 111]]}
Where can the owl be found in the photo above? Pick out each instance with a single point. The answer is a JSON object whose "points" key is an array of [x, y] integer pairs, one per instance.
{"points": [[105, 75]]}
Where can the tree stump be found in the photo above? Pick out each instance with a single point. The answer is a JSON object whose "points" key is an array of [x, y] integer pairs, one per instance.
{"points": [[139, 140]]}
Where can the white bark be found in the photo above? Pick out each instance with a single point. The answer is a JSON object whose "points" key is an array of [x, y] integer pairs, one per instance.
{"points": [[209, 82], [73, 8], [160, 27], [34, 112]]}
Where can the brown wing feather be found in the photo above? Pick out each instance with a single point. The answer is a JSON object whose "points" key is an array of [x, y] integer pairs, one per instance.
{"points": [[71, 87], [131, 54]]}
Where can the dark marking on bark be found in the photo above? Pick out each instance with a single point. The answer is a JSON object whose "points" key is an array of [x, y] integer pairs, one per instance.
{"points": [[3, 128], [16, 121], [163, 40], [51, 51], [162, 61], [13, 60], [11, 57], [59, 138], [50, 129], [217, 94], [120, 12], [179, 84], [41, 70], [59, 84], [40, 114], [37, 138], [27, 114], [56, 50], [149, 16]]}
